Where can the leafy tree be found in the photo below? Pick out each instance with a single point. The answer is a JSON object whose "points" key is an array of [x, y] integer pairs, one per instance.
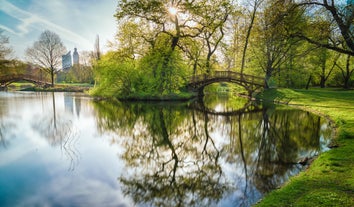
{"points": [[213, 17], [273, 36], [162, 14], [193, 50], [134, 39], [47, 53], [164, 69], [179, 20], [324, 62], [256, 4], [114, 75], [345, 64], [342, 17]]}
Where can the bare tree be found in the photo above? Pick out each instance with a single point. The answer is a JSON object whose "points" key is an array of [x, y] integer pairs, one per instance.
{"points": [[97, 52], [47, 53], [4, 49]]}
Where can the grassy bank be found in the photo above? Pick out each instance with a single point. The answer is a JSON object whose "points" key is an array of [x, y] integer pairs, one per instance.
{"points": [[330, 179], [67, 87]]}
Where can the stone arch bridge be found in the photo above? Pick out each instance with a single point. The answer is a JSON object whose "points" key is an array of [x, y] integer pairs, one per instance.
{"points": [[8, 79]]}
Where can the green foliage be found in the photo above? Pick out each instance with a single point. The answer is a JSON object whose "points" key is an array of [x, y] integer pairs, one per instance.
{"points": [[114, 75], [164, 71], [76, 74], [160, 72]]}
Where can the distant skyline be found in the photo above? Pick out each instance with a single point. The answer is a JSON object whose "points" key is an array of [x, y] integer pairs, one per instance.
{"points": [[77, 22]]}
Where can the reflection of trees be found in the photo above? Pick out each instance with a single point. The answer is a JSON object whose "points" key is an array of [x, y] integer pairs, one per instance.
{"points": [[171, 167], [3, 141], [5, 126], [177, 156], [59, 131]]}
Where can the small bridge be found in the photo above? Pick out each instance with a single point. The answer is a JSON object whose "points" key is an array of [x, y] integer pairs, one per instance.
{"points": [[249, 82], [8, 79]]}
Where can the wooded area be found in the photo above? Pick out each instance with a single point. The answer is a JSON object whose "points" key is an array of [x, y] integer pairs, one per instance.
{"points": [[290, 43], [159, 44]]}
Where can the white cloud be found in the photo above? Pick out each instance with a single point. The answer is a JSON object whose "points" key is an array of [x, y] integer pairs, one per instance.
{"points": [[76, 22], [29, 20], [7, 29]]}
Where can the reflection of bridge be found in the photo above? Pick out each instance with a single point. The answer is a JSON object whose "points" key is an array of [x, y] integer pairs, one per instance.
{"points": [[248, 108], [249, 82], [8, 79]]}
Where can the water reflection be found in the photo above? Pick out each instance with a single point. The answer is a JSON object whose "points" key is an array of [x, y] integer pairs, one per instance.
{"points": [[58, 130], [206, 156], [62, 149]]}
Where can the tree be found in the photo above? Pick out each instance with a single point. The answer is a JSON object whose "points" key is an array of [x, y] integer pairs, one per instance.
{"points": [[4, 49], [213, 18], [273, 39], [97, 51], [346, 71], [256, 4], [342, 16], [179, 20], [47, 53], [134, 39]]}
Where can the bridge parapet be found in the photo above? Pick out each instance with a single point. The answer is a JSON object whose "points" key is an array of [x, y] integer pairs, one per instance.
{"points": [[229, 76], [8, 79]]}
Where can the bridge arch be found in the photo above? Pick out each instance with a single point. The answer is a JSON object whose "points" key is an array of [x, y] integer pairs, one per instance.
{"points": [[5, 81], [249, 82]]}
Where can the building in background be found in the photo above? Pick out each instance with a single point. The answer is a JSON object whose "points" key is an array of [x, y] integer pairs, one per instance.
{"points": [[75, 57], [66, 61]]}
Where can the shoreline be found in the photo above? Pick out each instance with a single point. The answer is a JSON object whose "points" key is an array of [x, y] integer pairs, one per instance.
{"points": [[328, 181]]}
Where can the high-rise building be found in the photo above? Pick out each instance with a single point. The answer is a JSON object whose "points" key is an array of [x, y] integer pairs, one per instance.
{"points": [[66, 61], [75, 57]]}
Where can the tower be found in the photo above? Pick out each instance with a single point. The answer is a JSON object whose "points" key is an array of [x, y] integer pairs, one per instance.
{"points": [[75, 57]]}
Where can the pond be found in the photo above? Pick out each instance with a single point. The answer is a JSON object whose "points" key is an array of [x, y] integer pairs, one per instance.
{"points": [[66, 149]]}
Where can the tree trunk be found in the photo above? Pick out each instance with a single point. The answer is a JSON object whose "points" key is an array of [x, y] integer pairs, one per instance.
{"points": [[52, 76], [323, 82], [255, 6], [346, 75], [308, 82], [346, 83], [266, 80], [207, 63]]}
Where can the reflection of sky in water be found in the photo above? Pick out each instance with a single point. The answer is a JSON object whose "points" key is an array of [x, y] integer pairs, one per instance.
{"points": [[81, 172], [54, 155]]}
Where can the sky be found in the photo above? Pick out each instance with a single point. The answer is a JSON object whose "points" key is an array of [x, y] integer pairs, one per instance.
{"points": [[77, 22]]}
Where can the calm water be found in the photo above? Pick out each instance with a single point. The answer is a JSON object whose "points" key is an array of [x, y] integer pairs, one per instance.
{"points": [[65, 149]]}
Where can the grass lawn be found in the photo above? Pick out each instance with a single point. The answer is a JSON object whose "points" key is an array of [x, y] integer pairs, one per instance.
{"points": [[330, 179], [63, 87]]}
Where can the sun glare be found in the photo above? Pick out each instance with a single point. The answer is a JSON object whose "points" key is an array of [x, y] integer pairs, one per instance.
{"points": [[172, 10]]}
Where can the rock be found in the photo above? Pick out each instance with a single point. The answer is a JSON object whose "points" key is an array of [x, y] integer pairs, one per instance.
{"points": [[303, 161]]}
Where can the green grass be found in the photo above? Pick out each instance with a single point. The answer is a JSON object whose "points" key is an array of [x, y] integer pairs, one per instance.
{"points": [[329, 181], [59, 88]]}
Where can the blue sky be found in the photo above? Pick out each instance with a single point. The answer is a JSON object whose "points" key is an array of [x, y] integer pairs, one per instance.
{"points": [[77, 22]]}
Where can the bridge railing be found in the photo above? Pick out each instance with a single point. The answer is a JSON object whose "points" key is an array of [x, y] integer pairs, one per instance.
{"points": [[28, 77], [228, 75]]}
